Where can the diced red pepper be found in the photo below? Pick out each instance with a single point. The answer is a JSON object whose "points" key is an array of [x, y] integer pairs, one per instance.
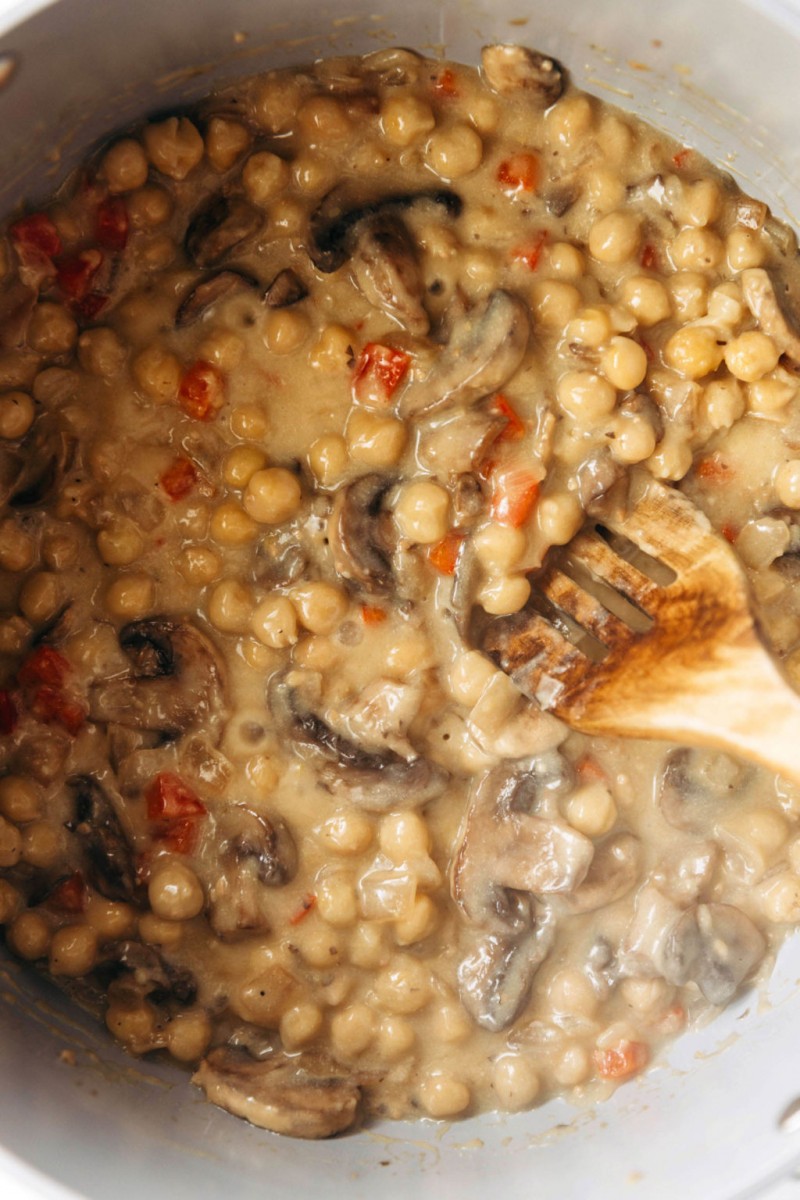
{"points": [[53, 706], [515, 426], [111, 224], [519, 173], [8, 713], [515, 491], [649, 256], [306, 905], [202, 391], [714, 469], [90, 305], [444, 555], [179, 478], [179, 837], [44, 665], [530, 252], [169, 799], [69, 894], [621, 1061], [680, 159], [37, 234], [75, 274], [446, 84], [378, 373], [589, 769], [372, 615], [730, 532]]}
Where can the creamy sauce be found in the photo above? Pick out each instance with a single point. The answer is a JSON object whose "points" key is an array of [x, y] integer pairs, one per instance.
{"points": [[296, 394]]}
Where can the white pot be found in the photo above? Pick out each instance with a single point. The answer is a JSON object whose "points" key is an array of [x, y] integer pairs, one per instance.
{"points": [[75, 1112]]}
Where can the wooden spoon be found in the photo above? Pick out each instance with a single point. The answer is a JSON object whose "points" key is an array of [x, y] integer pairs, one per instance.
{"points": [[669, 651]]}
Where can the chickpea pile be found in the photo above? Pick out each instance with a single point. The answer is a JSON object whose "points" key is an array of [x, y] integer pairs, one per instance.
{"points": [[291, 401]]}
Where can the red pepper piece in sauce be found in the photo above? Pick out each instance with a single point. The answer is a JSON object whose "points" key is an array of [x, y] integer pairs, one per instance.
{"points": [[9, 717], [378, 373], [52, 706], [75, 274], [169, 799], [202, 391], [621, 1061], [519, 173], [179, 837], [69, 894], [446, 84], [530, 252], [179, 478], [111, 224], [306, 905], [372, 615], [444, 555], [44, 665], [515, 426], [36, 234], [515, 491]]}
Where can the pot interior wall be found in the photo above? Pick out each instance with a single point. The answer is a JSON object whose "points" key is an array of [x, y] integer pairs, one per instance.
{"points": [[719, 75]]}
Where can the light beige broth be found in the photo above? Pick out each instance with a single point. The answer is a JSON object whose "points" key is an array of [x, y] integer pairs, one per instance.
{"points": [[635, 280]]}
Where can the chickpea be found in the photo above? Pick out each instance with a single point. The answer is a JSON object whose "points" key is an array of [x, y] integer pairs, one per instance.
{"points": [[406, 119], [286, 217], [41, 844], [499, 548], [273, 496], [16, 415], [591, 327], [157, 373], [442, 1095], [591, 810], [771, 395], [149, 207], [274, 622], [276, 102], [231, 526], [585, 395], [10, 844], [573, 1066], [559, 516], [787, 491], [174, 146], [744, 249], [124, 166], [312, 175], [198, 565], [395, 1038], [634, 438], [646, 298], [411, 651], [469, 675], [29, 935], [689, 292], [101, 353], [701, 202], [328, 459], [51, 330], [554, 302], [615, 238], [265, 175], [422, 512], [40, 597], [515, 1082], [565, 260], [605, 190], [222, 348], [135, 1025], [300, 1025], [624, 363], [780, 899], [131, 595], [417, 924], [248, 421], [17, 548], [501, 595], [155, 931], [20, 799], [320, 606], [111, 920], [454, 152], [333, 350], [568, 120], [226, 142], [14, 633], [11, 902], [230, 606], [322, 119], [352, 1030], [377, 441], [724, 403], [751, 356], [348, 832], [73, 951], [725, 305], [405, 987], [175, 892], [120, 543], [337, 902], [696, 250], [189, 1035], [693, 351], [241, 464]]}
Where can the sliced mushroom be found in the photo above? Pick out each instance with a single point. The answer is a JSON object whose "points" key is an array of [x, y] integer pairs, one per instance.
{"points": [[149, 974], [39, 467], [332, 223], [254, 854], [176, 680], [111, 865], [595, 478], [760, 297], [494, 981], [385, 267], [210, 291], [485, 348], [361, 533], [286, 288], [714, 946], [615, 871], [503, 849], [304, 1096], [220, 224], [455, 441], [374, 780], [512, 68], [696, 787]]}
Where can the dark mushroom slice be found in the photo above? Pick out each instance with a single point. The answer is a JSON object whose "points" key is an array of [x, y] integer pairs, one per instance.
{"points": [[220, 224], [141, 970], [503, 848], [332, 223], [110, 860], [286, 289], [714, 946], [176, 681], [361, 533], [210, 291], [696, 787], [385, 267], [495, 980], [43, 460], [305, 1096], [485, 348], [377, 781], [615, 870], [254, 853], [596, 477], [511, 68], [762, 300]]}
